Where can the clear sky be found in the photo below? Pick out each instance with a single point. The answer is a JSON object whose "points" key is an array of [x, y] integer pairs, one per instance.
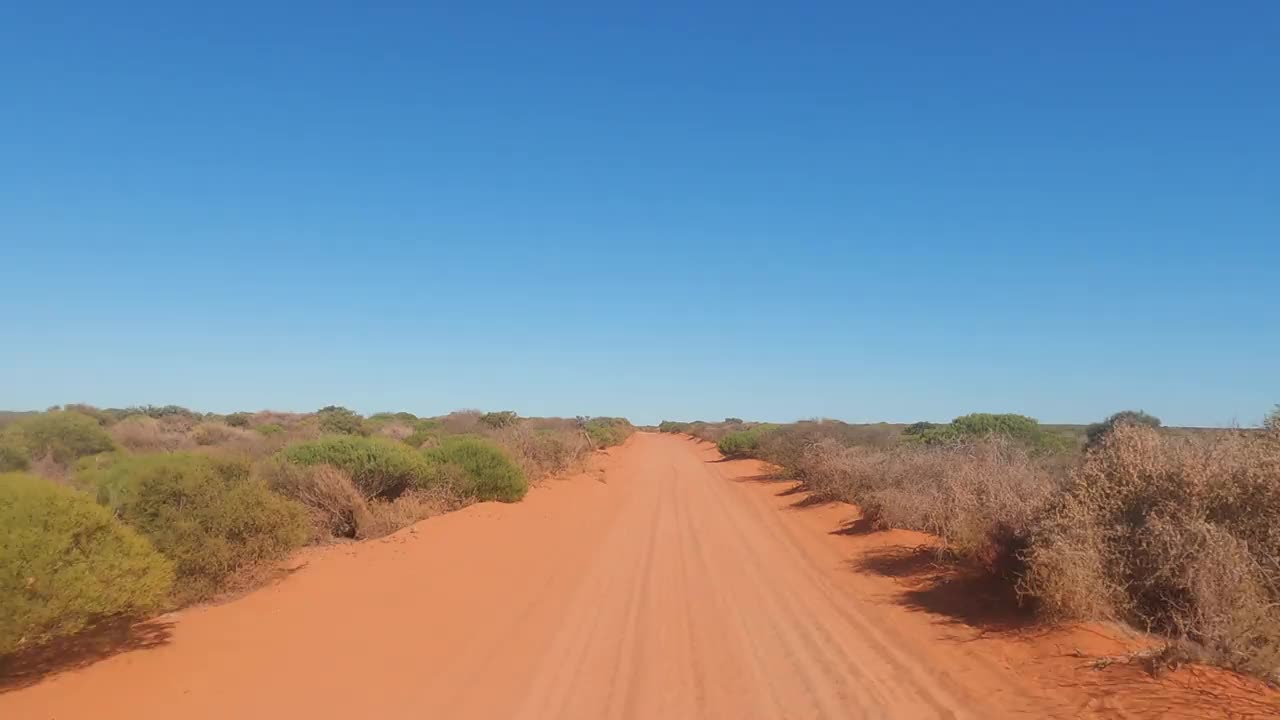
{"points": [[868, 211]]}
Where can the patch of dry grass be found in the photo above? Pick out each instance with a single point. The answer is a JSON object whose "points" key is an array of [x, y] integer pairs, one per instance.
{"points": [[388, 516]]}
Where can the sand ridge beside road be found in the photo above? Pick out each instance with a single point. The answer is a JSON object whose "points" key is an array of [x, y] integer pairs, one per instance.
{"points": [[662, 583]]}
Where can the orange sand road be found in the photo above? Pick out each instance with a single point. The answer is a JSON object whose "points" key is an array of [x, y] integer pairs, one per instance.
{"points": [[662, 584]]}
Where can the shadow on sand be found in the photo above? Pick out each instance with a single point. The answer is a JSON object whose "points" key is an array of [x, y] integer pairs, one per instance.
{"points": [[26, 668], [958, 594]]}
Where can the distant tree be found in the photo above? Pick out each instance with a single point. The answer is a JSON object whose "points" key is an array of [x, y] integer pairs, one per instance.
{"points": [[919, 428], [1097, 432], [733, 421], [1273, 420]]}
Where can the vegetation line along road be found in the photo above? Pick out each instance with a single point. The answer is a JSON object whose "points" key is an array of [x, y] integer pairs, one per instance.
{"points": [[696, 580]]}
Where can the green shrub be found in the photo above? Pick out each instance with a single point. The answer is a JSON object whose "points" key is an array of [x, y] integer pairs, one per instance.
{"points": [[476, 468], [238, 419], [423, 430], [741, 443], [499, 420], [744, 443], [13, 453], [66, 564], [205, 514], [1097, 432], [966, 429], [341, 421], [63, 435], [671, 426], [380, 468], [607, 431], [270, 429]]}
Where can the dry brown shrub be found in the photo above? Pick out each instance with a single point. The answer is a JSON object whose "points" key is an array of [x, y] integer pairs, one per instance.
{"points": [[543, 448], [215, 433], [979, 499], [145, 434], [833, 471], [395, 431], [1175, 533], [50, 469], [462, 422], [336, 507], [388, 516]]}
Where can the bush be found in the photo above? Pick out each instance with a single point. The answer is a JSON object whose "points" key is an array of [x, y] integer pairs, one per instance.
{"points": [[341, 421], [141, 433], [671, 426], [212, 433], [337, 507], [238, 419], [973, 427], [269, 429], [740, 443], [62, 435], [66, 564], [206, 515], [476, 468], [1176, 534], [423, 430], [13, 453], [379, 468], [499, 420], [746, 443], [1097, 432], [607, 431], [543, 447]]}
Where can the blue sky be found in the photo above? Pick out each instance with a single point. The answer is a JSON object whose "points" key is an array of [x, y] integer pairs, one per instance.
{"points": [[662, 211]]}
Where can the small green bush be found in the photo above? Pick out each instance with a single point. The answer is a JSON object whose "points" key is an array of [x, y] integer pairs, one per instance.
{"points": [[341, 421], [270, 429], [203, 513], [607, 431], [743, 443], [671, 426], [66, 564], [63, 435], [380, 468], [476, 468], [238, 419], [13, 453]]}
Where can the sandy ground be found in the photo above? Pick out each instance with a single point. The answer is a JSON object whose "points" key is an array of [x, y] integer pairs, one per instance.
{"points": [[663, 583]]}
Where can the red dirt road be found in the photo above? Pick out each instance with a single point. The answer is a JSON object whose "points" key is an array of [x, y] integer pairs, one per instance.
{"points": [[662, 584]]}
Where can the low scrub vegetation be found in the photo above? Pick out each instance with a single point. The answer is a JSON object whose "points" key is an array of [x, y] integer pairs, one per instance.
{"points": [[159, 506], [379, 468], [61, 436], [66, 564], [476, 469], [1177, 532], [606, 432], [744, 443], [1173, 533], [207, 516]]}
